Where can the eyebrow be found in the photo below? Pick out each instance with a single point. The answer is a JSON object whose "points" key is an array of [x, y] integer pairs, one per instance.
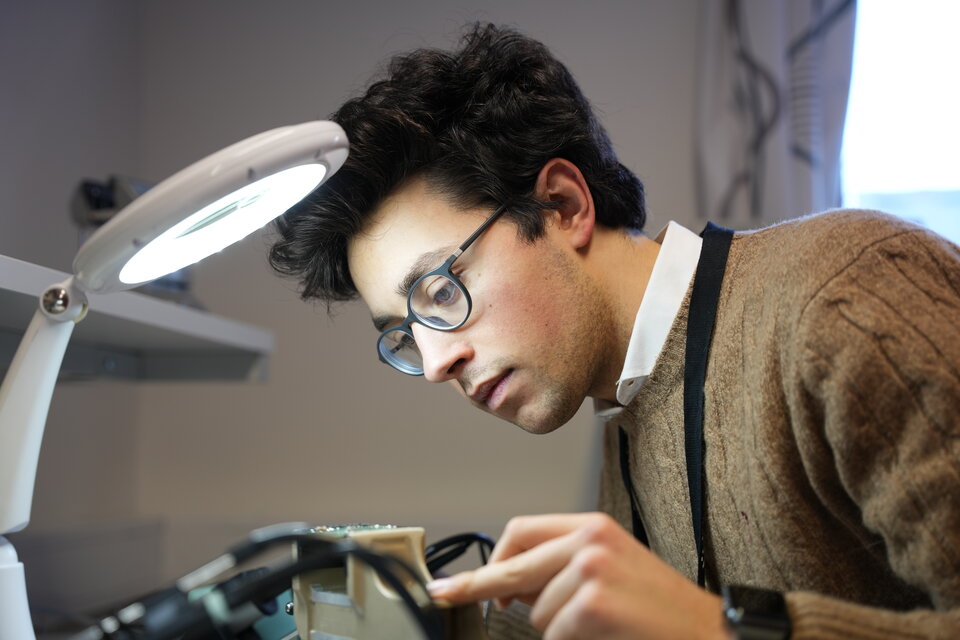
{"points": [[382, 322], [423, 264]]}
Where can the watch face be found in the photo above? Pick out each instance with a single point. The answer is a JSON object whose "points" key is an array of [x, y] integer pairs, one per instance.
{"points": [[756, 614]]}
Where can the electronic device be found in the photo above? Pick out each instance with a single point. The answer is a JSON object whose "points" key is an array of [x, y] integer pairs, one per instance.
{"points": [[350, 599], [349, 582]]}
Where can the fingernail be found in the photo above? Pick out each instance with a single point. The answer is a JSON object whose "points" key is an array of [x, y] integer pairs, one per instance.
{"points": [[440, 588]]}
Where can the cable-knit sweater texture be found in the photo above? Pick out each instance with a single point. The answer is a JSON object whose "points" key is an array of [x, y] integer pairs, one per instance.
{"points": [[832, 429]]}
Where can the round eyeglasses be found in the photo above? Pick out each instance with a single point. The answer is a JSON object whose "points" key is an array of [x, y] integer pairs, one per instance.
{"points": [[438, 300]]}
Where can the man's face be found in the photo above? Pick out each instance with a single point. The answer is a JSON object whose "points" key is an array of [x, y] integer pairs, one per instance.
{"points": [[535, 340]]}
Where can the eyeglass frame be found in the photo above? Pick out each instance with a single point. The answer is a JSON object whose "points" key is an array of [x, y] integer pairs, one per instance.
{"points": [[442, 270]]}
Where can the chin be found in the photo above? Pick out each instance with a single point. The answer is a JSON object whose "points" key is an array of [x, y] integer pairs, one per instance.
{"points": [[544, 410], [540, 423]]}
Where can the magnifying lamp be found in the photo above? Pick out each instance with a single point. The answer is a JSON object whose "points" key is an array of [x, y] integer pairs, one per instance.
{"points": [[192, 214]]}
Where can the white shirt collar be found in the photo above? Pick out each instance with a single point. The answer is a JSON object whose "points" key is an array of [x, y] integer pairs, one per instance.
{"points": [[670, 278]]}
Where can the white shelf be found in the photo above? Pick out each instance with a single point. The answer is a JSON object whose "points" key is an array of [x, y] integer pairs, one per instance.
{"points": [[134, 336]]}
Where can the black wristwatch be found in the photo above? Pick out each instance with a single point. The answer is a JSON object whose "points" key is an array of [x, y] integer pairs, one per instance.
{"points": [[756, 614]]}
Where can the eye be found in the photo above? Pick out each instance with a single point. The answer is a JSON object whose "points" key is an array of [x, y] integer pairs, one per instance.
{"points": [[440, 292], [446, 295]]}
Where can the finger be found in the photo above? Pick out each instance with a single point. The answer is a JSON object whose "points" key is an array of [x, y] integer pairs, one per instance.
{"points": [[585, 615], [526, 532], [557, 593], [524, 573]]}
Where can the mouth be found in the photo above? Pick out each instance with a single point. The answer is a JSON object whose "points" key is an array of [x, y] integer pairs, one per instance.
{"points": [[491, 393]]}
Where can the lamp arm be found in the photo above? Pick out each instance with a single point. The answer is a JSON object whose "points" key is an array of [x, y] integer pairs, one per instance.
{"points": [[24, 403], [25, 398]]}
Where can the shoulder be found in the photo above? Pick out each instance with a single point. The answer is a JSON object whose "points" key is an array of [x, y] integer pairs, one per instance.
{"points": [[838, 235], [882, 307], [804, 255], [845, 289]]}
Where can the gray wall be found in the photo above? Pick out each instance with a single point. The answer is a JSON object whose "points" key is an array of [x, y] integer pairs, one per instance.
{"points": [[69, 109], [146, 88]]}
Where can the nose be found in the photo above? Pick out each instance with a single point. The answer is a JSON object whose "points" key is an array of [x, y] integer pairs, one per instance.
{"points": [[445, 353]]}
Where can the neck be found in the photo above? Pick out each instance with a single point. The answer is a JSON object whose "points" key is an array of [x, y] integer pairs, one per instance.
{"points": [[621, 263]]}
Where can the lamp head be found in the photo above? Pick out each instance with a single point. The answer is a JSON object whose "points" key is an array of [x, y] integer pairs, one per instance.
{"points": [[210, 205]]}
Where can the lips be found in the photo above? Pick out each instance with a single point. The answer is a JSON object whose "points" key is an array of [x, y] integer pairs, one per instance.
{"points": [[491, 392]]}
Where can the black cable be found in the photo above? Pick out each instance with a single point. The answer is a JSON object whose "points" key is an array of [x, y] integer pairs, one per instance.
{"points": [[819, 28], [267, 537], [759, 81], [444, 551], [169, 615], [386, 566]]}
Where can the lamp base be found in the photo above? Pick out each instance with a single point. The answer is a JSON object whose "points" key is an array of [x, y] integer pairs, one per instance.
{"points": [[15, 622]]}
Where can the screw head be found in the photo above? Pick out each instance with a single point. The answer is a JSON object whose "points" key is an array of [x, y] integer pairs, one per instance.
{"points": [[55, 300], [288, 608]]}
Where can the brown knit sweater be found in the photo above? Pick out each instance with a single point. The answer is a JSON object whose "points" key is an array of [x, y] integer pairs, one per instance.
{"points": [[832, 430]]}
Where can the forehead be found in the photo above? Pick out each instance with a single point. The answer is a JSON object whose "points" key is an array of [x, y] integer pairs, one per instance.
{"points": [[411, 222]]}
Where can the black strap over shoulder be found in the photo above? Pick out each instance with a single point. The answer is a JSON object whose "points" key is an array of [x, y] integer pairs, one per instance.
{"points": [[700, 321]]}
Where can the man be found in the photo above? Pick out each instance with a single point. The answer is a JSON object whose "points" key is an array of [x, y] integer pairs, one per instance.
{"points": [[485, 220]]}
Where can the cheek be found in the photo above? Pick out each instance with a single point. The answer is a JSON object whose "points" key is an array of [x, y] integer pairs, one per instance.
{"points": [[532, 315], [531, 304]]}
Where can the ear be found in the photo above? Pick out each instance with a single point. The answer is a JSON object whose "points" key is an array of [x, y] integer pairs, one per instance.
{"points": [[561, 182]]}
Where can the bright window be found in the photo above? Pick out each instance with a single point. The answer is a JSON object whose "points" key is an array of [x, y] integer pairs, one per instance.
{"points": [[901, 147]]}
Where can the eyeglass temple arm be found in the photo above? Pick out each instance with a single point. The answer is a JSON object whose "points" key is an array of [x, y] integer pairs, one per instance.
{"points": [[489, 221]]}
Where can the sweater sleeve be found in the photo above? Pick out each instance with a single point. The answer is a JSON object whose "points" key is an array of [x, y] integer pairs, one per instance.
{"points": [[876, 414]]}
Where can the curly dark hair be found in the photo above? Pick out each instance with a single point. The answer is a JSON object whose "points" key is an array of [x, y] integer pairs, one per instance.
{"points": [[477, 124]]}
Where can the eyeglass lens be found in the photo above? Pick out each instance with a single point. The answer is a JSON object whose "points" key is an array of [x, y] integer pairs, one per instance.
{"points": [[437, 302], [399, 349]]}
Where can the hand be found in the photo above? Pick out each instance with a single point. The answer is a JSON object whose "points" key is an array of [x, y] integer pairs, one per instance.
{"points": [[586, 577]]}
